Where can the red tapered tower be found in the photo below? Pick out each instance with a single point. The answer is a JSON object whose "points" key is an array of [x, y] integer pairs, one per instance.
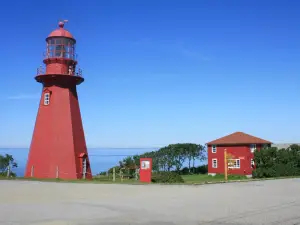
{"points": [[58, 148]]}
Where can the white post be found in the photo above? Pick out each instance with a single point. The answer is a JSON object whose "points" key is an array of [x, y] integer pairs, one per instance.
{"points": [[8, 171], [136, 174], [84, 169], [114, 174], [121, 175], [32, 168], [57, 172]]}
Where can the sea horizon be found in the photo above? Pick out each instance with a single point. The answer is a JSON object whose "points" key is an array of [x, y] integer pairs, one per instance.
{"points": [[3, 147], [101, 159]]}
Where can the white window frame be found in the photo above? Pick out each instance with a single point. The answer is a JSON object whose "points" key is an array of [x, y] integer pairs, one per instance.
{"points": [[252, 162], [214, 148], [212, 161], [46, 98], [252, 147], [236, 165]]}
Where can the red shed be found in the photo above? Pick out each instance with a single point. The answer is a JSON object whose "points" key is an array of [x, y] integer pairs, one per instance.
{"points": [[240, 146]]}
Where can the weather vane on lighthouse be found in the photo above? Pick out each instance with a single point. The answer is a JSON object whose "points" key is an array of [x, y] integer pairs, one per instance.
{"points": [[61, 23]]}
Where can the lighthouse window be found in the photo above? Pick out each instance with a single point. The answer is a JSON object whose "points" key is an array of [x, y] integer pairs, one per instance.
{"points": [[59, 50], [46, 98], [58, 41], [61, 47]]}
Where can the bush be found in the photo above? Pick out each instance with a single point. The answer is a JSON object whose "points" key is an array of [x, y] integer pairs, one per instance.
{"points": [[194, 170], [117, 169], [102, 173], [184, 171], [202, 169], [274, 162], [167, 177], [4, 174]]}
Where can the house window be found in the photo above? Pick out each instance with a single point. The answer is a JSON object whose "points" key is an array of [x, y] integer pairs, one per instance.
{"points": [[252, 147], [234, 164], [214, 149], [46, 98], [214, 163], [252, 162]]}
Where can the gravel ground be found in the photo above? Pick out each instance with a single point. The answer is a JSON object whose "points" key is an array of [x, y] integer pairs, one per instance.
{"points": [[47, 203]]}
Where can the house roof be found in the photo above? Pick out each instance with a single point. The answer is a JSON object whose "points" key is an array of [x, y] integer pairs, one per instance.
{"points": [[238, 138]]}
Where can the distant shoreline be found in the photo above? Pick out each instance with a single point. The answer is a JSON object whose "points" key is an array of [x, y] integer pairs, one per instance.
{"points": [[91, 148]]}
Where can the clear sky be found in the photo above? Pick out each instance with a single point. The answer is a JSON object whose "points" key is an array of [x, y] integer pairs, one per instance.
{"points": [[160, 72]]}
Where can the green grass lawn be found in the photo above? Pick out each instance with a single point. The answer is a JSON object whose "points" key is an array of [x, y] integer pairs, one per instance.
{"points": [[203, 178], [102, 179], [188, 179]]}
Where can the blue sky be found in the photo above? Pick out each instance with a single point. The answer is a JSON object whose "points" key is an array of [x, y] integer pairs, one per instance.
{"points": [[160, 72]]}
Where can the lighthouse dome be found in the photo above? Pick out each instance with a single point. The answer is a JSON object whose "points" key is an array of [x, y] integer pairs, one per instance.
{"points": [[61, 32], [61, 44]]}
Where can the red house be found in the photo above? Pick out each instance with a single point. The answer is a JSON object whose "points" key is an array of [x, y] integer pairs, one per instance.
{"points": [[240, 146]]}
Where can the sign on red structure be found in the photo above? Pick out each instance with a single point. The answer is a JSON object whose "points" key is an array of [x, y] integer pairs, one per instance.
{"points": [[145, 169]]}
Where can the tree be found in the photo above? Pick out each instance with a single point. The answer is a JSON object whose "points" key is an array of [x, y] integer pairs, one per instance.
{"points": [[274, 162], [7, 161], [191, 154], [200, 154], [179, 153], [117, 169], [136, 159], [128, 165], [169, 157]]}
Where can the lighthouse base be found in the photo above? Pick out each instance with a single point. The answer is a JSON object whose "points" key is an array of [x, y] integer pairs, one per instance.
{"points": [[58, 148]]}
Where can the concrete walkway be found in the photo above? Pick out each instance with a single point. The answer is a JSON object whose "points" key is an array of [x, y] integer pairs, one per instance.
{"points": [[47, 203]]}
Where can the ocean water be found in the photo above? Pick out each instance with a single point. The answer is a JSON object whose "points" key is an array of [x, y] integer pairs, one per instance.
{"points": [[101, 159]]}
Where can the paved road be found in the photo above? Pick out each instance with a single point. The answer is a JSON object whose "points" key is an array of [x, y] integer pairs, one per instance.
{"points": [[42, 203]]}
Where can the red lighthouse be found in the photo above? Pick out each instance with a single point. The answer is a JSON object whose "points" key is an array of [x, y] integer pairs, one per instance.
{"points": [[58, 148]]}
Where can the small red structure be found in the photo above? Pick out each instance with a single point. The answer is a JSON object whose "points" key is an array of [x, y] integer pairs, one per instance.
{"points": [[58, 148], [240, 146], [145, 169]]}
